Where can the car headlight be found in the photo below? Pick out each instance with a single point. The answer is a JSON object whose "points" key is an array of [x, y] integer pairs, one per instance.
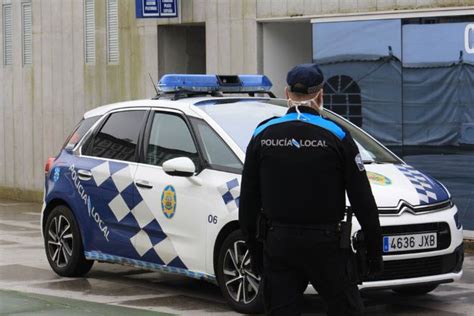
{"points": [[456, 220]]}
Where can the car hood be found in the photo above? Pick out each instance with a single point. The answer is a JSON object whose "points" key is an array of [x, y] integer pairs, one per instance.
{"points": [[392, 183]]}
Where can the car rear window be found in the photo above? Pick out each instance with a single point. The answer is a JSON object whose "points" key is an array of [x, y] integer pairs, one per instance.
{"points": [[118, 137], [79, 131]]}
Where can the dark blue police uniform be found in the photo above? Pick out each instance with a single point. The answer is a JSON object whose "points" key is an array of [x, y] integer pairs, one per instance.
{"points": [[297, 171]]}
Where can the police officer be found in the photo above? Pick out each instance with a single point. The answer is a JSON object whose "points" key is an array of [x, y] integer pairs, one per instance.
{"points": [[297, 170]]}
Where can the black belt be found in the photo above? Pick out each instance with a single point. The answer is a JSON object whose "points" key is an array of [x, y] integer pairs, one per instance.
{"points": [[325, 227]]}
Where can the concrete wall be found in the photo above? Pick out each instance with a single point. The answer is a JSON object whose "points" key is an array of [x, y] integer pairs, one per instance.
{"points": [[282, 50], [40, 103], [284, 8], [231, 32], [231, 36], [182, 49]]}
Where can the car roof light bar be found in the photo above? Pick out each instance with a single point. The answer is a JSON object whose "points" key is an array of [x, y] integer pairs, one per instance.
{"points": [[173, 83], [195, 83]]}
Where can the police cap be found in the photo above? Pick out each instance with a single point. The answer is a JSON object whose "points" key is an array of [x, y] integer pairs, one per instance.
{"points": [[305, 79]]}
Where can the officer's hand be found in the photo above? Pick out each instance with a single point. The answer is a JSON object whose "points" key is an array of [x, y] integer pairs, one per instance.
{"points": [[256, 256], [375, 266]]}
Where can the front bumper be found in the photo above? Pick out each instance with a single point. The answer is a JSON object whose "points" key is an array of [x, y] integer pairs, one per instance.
{"points": [[430, 267], [431, 270], [436, 269], [439, 266]]}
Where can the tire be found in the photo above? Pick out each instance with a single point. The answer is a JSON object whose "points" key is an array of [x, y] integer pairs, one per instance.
{"points": [[231, 278], [415, 290], [63, 244]]}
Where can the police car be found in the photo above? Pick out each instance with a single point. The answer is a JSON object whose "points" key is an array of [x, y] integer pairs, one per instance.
{"points": [[155, 184]]}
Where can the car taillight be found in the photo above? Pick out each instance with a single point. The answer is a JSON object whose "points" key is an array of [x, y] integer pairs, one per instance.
{"points": [[48, 165]]}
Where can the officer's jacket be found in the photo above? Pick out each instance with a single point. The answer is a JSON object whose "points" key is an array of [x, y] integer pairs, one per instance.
{"points": [[297, 170]]}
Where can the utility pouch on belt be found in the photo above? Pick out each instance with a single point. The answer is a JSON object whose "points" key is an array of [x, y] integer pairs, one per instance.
{"points": [[262, 227], [345, 231], [361, 255]]}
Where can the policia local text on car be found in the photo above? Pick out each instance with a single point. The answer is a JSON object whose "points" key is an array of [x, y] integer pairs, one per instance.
{"points": [[297, 170]]}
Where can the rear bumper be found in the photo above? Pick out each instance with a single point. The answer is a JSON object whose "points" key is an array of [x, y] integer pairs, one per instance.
{"points": [[43, 208]]}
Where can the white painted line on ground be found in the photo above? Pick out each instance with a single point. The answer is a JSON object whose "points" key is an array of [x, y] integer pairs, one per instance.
{"points": [[21, 224], [17, 203], [76, 295], [34, 213]]}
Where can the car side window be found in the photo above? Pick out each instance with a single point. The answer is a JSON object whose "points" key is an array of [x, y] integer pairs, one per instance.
{"points": [[216, 152], [118, 137], [79, 131], [170, 138]]}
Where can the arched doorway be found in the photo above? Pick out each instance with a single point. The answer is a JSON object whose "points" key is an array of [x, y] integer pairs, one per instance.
{"points": [[342, 95]]}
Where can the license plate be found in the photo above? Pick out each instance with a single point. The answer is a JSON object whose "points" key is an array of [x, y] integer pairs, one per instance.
{"points": [[409, 242]]}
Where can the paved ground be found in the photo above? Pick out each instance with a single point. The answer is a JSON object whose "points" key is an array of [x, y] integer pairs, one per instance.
{"points": [[18, 303], [29, 287]]}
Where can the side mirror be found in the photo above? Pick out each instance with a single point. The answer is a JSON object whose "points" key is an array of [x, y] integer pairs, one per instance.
{"points": [[181, 167]]}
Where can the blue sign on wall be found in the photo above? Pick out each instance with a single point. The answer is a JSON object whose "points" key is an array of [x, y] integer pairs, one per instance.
{"points": [[156, 8]]}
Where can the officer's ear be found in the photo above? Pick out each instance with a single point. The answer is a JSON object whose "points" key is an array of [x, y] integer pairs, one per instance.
{"points": [[286, 93], [319, 99]]}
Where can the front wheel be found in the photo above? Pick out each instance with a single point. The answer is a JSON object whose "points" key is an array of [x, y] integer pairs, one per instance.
{"points": [[240, 286], [63, 244], [415, 290]]}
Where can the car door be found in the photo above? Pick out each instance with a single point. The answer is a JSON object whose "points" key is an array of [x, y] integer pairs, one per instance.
{"points": [[103, 176], [171, 233], [181, 206]]}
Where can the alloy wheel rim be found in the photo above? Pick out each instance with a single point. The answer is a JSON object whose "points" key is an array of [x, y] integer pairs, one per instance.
{"points": [[241, 282], [60, 241]]}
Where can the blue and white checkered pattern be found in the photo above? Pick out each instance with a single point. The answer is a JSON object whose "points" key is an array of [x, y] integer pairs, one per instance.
{"points": [[97, 255], [129, 208], [423, 185], [230, 192]]}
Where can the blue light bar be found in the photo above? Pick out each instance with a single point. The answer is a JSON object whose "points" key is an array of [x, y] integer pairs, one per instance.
{"points": [[255, 82], [211, 83], [197, 83]]}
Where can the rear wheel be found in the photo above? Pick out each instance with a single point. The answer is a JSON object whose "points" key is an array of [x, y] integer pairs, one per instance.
{"points": [[238, 283], [63, 244], [415, 290]]}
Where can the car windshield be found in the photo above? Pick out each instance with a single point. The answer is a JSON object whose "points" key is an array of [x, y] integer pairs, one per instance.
{"points": [[239, 118]]}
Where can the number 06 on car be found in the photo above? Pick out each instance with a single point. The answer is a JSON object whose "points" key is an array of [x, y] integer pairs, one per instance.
{"points": [[409, 242]]}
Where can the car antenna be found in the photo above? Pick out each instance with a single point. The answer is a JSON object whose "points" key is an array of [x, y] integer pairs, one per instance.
{"points": [[154, 86]]}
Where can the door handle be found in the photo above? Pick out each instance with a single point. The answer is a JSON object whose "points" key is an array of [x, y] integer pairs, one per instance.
{"points": [[144, 184], [84, 174]]}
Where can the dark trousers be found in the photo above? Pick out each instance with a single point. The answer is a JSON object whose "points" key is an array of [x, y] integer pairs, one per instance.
{"points": [[294, 257]]}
